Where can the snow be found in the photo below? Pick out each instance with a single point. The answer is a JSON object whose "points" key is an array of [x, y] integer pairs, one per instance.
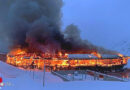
{"points": [[10, 71], [22, 80]]}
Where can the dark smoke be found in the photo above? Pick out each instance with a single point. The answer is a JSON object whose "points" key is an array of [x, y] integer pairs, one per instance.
{"points": [[72, 36], [35, 25], [32, 23]]}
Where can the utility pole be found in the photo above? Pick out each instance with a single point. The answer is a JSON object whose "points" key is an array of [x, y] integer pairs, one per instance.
{"points": [[44, 74]]}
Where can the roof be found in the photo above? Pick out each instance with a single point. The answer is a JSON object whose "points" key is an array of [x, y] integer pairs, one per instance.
{"points": [[91, 56], [81, 56], [109, 56]]}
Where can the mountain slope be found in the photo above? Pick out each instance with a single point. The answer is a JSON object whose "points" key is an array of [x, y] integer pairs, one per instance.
{"points": [[123, 47]]}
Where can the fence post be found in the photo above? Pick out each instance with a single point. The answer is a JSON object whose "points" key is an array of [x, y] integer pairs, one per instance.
{"points": [[95, 75]]}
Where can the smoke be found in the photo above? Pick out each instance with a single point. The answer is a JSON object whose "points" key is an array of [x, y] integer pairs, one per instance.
{"points": [[31, 22], [72, 36], [35, 25]]}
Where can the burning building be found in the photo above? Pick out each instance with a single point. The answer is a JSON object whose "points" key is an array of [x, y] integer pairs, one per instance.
{"points": [[33, 28], [66, 61]]}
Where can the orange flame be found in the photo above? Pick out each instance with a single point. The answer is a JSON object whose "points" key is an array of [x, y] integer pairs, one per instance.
{"points": [[17, 52], [120, 55], [97, 54], [21, 58]]}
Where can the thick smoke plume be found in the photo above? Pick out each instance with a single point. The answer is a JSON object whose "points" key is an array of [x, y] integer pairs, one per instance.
{"points": [[35, 25], [76, 44], [32, 23]]}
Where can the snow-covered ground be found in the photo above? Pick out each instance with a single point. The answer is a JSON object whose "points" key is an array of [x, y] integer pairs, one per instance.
{"points": [[17, 79]]}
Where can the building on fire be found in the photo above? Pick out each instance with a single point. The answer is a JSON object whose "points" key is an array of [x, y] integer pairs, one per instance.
{"points": [[70, 61]]}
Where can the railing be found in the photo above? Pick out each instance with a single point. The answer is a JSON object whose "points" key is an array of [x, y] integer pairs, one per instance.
{"points": [[72, 75]]}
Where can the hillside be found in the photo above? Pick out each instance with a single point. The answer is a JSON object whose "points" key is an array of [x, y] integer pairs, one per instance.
{"points": [[122, 47]]}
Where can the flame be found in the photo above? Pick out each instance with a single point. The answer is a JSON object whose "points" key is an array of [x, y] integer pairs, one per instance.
{"points": [[21, 58], [17, 52], [97, 54], [120, 55]]}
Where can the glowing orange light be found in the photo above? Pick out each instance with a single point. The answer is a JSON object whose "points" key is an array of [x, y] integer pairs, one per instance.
{"points": [[21, 58]]}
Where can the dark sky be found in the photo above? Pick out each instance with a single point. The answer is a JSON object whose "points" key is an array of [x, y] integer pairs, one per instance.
{"points": [[103, 22]]}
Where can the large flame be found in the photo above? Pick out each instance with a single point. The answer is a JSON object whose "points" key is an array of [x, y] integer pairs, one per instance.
{"points": [[21, 58]]}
